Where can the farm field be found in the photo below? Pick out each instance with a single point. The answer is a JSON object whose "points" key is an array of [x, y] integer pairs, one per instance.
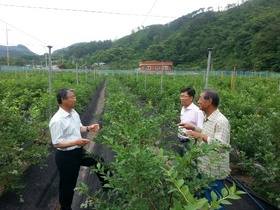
{"points": [[250, 103], [26, 103]]}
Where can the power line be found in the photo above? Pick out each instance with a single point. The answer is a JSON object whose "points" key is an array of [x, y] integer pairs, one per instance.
{"points": [[149, 12], [88, 11], [76, 10], [23, 32]]}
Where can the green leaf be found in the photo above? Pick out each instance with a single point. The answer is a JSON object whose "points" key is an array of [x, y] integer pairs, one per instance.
{"points": [[234, 197], [215, 205], [226, 202], [224, 192], [177, 205], [213, 196], [179, 182], [185, 189], [192, 207], [81, 188], [173, 190], [200, 203], [239, 192], [232, 189]]}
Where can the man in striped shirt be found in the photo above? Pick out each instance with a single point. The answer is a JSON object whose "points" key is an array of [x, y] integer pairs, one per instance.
{"points": [[216, 128]]}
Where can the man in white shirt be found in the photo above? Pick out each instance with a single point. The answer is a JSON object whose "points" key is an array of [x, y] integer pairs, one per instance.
{"points": [[66, 128], [190, 115]]}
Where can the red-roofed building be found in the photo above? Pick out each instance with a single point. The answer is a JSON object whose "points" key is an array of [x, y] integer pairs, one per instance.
{"points": [[155, 66]]}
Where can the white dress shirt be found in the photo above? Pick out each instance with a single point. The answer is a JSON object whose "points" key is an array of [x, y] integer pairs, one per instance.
{"points": [[191, 115], [65, 127]]}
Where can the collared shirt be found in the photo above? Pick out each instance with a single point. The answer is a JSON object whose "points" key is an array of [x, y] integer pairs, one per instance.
{"points": [[191, 115], [65, 127], [217, 128]]}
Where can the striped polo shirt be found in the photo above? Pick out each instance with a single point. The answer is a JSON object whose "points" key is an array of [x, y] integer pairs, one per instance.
{"points": [[217, 128]]}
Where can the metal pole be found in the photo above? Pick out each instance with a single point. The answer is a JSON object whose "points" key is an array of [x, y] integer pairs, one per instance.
{"points": [[50, 71], [145, 81], [46, 59], [161, 78], [77, 80], [8, 57], [208, 67], [50, 79]]}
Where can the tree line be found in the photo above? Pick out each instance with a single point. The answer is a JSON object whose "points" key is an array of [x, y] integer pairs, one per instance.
{"points": [[243, 36]]}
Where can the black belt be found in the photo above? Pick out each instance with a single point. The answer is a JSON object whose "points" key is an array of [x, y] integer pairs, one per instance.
{"points": [[69, 150], [184, 140]]}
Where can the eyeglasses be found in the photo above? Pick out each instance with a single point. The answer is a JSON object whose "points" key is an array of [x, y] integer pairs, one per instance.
{"points": [[184, 96]]}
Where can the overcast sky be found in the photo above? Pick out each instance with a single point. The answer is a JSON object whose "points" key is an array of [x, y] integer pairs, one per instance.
{"points": [[61, 23]]}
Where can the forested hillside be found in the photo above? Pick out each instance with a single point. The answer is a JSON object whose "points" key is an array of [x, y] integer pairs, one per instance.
{"points": [[244, 36]]}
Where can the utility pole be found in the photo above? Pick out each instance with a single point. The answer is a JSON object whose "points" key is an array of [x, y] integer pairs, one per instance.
{"points": [[50, 70], [208, 67], [161, 78], [62, 56], [50, 78], [8, 56], [46, 58], [77, 80]]}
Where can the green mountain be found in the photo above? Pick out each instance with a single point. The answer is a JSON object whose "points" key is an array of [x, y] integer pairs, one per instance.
{"points": [[245, 36], [15, 51]]}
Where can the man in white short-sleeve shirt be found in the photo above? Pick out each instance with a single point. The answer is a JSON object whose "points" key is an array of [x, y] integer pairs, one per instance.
{"points": [[190, 115]]}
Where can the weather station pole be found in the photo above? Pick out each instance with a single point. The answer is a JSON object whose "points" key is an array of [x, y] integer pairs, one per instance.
{"points": [[208, 67], [161, 78], [7, 40], [50, 78], [50, 69], [77, 79]]}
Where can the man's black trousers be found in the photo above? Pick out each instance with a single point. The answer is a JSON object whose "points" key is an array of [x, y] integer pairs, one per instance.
{"points": [[68, 164]]}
